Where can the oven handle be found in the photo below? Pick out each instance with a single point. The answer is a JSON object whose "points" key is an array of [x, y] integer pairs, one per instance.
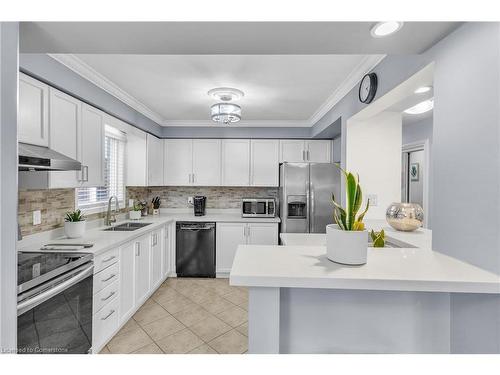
{"points": [[24, 306]]}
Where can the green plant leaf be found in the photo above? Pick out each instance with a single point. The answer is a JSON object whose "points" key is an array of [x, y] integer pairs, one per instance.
{"points": [[338, 206], [379, 242], [362, 215], [351, 190]]}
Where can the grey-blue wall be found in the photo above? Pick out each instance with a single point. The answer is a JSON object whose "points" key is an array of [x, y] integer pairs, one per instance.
{"points": [[417, 131]]}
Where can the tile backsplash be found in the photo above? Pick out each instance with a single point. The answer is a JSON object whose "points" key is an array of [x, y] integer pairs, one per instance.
{"points": [[54, 203], [219, 197]]}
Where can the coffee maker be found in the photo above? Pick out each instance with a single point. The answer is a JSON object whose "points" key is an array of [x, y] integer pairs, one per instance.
{"points": [[199, 203]]}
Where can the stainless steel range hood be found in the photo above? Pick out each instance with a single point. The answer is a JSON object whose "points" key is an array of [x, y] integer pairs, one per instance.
{"points": [[38, 158]]}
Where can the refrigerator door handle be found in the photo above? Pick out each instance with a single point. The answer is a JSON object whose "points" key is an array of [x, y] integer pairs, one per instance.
{"points": [[311, 200], [308, 206]]}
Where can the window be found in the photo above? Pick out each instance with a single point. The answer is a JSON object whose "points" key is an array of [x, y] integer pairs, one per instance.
{"points": [[114, 179]]}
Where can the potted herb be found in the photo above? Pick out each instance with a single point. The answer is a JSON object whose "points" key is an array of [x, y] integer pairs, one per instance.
{"points": [[347, 240], [74, 224], [135, 212]]}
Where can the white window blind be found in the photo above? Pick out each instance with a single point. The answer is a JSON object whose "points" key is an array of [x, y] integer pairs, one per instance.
{"points": [[114, 178]]}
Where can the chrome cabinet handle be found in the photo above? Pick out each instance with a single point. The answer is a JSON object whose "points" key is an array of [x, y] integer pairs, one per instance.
{"points": [[109, 278], [303, 155], [249, 233], [108, 297], [107, 316], [137, 249], [86, 170], [108, 259], [308, 155]]}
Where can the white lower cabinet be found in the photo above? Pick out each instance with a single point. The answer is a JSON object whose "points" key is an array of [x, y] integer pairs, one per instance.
{"points": [[168, 255], [156, 258], [142, 269], [230, 235], [105, 323], [127, 281]]}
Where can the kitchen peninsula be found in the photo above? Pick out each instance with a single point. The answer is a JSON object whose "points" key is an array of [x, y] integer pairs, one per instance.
{"points": [[399, 302]]}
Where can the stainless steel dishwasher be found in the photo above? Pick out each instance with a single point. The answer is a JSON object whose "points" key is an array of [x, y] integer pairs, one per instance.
{"points": [[195, 249]]}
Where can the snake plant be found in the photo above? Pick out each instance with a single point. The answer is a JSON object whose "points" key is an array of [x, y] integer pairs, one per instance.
{"points": [[378, 238], [347, 218], [74, 216]]}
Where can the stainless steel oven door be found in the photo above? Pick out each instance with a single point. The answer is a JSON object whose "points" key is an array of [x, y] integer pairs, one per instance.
{"points": [[56, 317]]}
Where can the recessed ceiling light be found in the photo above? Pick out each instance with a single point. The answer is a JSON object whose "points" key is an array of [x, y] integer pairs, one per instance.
{"points": [[423, 89], [226, 94], [386, 28], [421, 107]]}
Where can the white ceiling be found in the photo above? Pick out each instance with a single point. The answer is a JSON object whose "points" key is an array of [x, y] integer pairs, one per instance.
{"points": [[236, 38], [280, 90]]}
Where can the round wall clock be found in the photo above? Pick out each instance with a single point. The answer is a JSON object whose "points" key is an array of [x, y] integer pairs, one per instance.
{"points": [[368, 88]]}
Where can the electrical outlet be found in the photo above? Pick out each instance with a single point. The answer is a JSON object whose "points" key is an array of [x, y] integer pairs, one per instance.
{"points": [[131, 203], [373, 199], [37, 217], [190, 200]]}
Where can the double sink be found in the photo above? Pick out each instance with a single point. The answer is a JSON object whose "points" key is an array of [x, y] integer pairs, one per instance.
{"points": [[126, 227]]}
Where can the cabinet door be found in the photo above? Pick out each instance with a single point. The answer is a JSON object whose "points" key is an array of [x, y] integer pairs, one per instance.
{"points": [[64, 118], [33, 125], [142, 269], [319, 151], [92, 147], [135, 153], [165, 257], [206, 162], [156, 258], [127, 280], [235, 162], [178, 162], [155, 160], [264, 168], [262, 234], [228, 237], [292, 151]]}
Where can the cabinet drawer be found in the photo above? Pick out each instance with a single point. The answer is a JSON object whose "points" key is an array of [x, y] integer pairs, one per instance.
{"points": [[105, 323], [105, 260], [106, 295], [106, 277]]}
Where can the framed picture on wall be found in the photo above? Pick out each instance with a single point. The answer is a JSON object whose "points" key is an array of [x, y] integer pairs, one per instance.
{"points": [[414, 171]]}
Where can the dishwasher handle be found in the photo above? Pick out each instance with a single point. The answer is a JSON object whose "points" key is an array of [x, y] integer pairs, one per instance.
{"points": [[195, 227]]}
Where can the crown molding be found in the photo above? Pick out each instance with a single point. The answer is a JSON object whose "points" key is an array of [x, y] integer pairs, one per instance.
{"points": [[242, 123], [90, 74], [365, 66]]}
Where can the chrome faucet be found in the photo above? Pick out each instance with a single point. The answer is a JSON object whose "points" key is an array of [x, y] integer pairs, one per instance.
{"points": [[111, 217]]}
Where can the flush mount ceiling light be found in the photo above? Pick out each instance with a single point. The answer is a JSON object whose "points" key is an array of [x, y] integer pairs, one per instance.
{"points": [[423, 89], [386, 28], [226, 94], [421, 107], [225, 113]]}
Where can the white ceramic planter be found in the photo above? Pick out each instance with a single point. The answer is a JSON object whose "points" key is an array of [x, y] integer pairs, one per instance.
{"points": [[74, 229], [346, 247], [134, 215]]}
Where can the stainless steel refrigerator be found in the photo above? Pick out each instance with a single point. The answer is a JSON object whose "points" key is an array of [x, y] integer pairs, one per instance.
{"points": [[305, 196]]}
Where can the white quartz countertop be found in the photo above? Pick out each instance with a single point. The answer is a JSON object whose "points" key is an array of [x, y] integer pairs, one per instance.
{"points": [[302, 263], [105, 240]]}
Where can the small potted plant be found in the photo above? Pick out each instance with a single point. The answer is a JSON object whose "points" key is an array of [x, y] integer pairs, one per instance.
{"points": [[74, 224], [347, 240], [135, 212]]}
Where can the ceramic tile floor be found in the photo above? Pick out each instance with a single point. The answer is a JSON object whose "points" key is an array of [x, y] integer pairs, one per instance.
{"points": [[194, 316]]}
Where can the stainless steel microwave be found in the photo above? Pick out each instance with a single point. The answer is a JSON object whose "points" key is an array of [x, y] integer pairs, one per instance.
{"points": [[258, 207]]}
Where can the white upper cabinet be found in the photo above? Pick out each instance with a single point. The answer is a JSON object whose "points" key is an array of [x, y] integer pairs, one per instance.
{"points": [[235, 162], [206, 162], [313, 151], [292, 151], [92, 147], [64, 120], [135, 153], [155, 160], [264, 168], [319, 151], [33, 126], [178, 162]]}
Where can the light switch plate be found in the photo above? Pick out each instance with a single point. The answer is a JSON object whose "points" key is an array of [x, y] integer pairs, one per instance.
{"points": [[37, 217], [373, 199], [190, 200]]}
